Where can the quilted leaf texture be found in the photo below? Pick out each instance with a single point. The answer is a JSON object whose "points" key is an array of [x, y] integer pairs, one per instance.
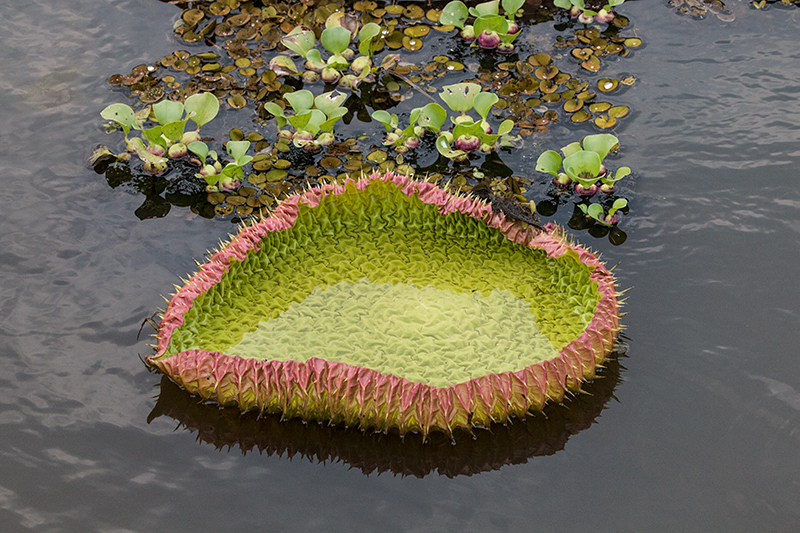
{"points": [[391, 304]]}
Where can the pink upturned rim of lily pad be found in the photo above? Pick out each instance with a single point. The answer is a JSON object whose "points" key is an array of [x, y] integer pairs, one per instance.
{"points": [[354, 396]]}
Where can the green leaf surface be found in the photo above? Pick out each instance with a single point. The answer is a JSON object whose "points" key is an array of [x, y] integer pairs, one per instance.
{"points": [[432, 116], [153, 136], [121, 114], [505, 127], [366, 37], [571, 148], [486, 8], [549, 162], [329, 101], [483, 103], [200, 149], [300, 40], [237, 150], [512, 6], [202, 108], [454, 13], [600, 144], [174, 130], [301, 101], [167, 111], [335, 39], [494, 23], [460, 97], [384, 118], [583, 167]]}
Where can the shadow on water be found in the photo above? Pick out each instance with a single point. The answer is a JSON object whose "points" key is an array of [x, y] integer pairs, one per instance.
{"points": [[487, 449]]}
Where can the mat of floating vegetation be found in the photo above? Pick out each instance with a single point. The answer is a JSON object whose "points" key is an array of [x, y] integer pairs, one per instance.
{"points": [[388, 303]]}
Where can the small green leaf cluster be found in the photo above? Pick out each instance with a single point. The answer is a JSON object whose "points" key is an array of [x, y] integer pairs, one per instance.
{"points": [[489, 29], [335, 39], [468, 134], [577, 8], [231, 175], [167, 139], [313, 118], [598, 213], [584, 170]]}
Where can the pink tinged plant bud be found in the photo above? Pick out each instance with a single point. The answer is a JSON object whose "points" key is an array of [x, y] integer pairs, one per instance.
{"points": [[155, 169], [302, 136], [585, 192], [178, 150], [157, 150], [468, 143], [412, 142], [468, 33], [208, 170], [191, 136], [505, 48], [312, 147], [391, 137], [585, 19], [575, 12], [488, 39], [562, 180], [228, 183], [325, 138], [330, 75], [613, 219], [309, 76], [603, 170], [487, 128], [607, 189], [513, 27], [604, 16]]}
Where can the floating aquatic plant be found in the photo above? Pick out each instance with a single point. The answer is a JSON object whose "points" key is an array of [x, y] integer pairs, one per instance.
{"points": [[489, 29], [313, 119], [165, 140], [468, 134], [598, 213], [577, 9], [583, 165], [385, 303]]}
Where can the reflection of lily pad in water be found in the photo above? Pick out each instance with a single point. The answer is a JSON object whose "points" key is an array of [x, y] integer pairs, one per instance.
{"points": [[501, 445], [399, 234]]}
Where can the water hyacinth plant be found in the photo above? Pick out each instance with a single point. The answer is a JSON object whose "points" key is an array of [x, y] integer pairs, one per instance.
{"points": [[227, 178], [335, 38], [577, 9], [598, 213], [313, 119], [167, 139], [489, 29], [468, 135], [583, 165]]}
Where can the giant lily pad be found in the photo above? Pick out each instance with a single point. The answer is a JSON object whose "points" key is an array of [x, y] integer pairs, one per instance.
{"points": [[388, 303]]}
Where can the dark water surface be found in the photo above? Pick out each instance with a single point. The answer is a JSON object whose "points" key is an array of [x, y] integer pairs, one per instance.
{"points": [[705, 429]]}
